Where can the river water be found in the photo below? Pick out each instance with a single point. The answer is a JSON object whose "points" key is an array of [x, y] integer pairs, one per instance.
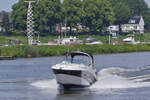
{"points": [[121, 77]]}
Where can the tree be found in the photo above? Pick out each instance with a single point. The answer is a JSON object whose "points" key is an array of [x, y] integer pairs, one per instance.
{"points": [[138, 7], [147, 21], [47, 15], [73, 11], [19, 15], [4, 16], [122, 13], [98, 14]]}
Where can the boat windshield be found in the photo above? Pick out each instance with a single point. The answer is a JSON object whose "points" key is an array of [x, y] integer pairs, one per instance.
{"points": [[78, 60]]}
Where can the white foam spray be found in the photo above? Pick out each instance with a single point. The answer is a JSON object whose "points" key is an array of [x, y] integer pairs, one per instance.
{"points": [[45, 84], [108, 78]]}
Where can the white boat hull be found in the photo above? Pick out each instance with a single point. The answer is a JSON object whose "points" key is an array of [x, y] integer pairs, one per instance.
{"points": [[74, 78], [71, 81]]}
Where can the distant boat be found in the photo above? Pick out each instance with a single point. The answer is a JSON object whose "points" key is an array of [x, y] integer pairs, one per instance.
{"points": [[66, 41], [91, 41], [70, 40], [130, 40], [74, 71], [6, 58]]}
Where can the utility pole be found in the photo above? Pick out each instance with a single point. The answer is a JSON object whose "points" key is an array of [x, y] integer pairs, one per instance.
{"points": [[109, 40], [30, 23]]}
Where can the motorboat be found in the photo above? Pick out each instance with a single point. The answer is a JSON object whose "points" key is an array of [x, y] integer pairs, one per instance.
{"points": [[91, 41], [129, 39], [66, 41], [76, 71]]}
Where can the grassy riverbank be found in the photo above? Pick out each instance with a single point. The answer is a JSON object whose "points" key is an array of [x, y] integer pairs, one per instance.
{"points": [[46, 51]]}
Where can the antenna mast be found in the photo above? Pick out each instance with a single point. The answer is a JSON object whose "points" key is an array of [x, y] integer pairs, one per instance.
{"points": [[30, 23]]}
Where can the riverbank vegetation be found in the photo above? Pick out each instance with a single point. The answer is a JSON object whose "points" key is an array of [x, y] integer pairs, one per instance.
{"points": [[47, 51]]}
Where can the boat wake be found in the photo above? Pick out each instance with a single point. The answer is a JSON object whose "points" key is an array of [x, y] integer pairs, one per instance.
{"points": [[46, 84], [122, 78], [110, 78]]}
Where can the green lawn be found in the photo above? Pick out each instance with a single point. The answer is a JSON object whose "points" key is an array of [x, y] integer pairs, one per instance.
{"points": [[44, 39], [46, 51], [5, 39]]}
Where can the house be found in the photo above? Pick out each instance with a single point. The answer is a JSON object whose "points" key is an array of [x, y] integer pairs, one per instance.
{"points": [[135, 24], [114, 28]]}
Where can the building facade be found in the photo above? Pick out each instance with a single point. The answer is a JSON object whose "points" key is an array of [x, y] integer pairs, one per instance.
{"points": [[135, 24], [114, 28]]}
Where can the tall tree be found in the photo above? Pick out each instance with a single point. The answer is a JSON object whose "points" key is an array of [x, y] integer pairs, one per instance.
{"points": [[4, 17], [19, 15], [147, 21], [122, 13], [138, 7], [48, 14], [72, 10], [98, 14]]}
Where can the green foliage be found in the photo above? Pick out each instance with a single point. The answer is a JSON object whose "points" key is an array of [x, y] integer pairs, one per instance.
{"points": [[93, 14], [73, 12], [48, 13], [122, 13], [138, 7], [147, 21], [5, 20], [19, 14], [97, 14]]}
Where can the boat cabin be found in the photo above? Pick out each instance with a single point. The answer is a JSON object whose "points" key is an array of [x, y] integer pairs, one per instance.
{"points": [[78, 57]]}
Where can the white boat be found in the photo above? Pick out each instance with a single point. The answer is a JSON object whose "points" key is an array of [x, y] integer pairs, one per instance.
{"points": [[70, 40], [129, 39], [76, 71], [91, 41]]}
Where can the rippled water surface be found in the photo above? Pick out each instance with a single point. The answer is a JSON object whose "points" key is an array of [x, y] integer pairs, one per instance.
{"points": [[121, 77]]}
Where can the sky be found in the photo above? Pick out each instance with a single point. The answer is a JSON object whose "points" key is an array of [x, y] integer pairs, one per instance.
{"points": [[7, 4], [148, 1]]}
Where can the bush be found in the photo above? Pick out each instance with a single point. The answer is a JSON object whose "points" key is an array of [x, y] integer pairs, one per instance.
{"points": [[46, 51]]}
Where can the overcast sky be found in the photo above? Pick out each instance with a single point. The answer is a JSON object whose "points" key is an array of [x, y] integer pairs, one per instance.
{"points": [[7, 4], [148, 1]]}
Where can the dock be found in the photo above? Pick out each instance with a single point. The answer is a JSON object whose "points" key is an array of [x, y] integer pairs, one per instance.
{"points": [[6, 58]]}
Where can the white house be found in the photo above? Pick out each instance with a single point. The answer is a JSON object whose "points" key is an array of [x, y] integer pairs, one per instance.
{"points": [[135, 24], [114, 28]]}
